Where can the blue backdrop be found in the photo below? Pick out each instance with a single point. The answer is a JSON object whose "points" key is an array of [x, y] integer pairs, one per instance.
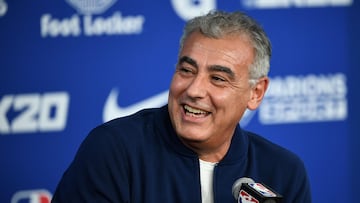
{"points": [[69, 65]]}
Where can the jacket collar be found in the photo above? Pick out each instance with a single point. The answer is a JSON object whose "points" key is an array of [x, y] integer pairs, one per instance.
{"points": [[238, 147]]}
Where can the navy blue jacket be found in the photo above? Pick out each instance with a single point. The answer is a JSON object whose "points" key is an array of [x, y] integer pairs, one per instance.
{"points": [[139, 158]]}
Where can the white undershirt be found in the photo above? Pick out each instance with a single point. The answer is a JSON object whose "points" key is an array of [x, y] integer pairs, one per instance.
{"points": [[206, 181]]}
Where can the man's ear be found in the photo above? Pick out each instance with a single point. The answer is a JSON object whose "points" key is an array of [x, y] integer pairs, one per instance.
{"points": [[257, 93]]}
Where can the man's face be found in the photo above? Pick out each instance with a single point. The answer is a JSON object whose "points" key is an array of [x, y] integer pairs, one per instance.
{"points": [[210, 88]]}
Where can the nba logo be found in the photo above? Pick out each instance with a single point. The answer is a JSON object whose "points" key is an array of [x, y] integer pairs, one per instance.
{"points": [[245, 197], [262, 189], [32, 196]]}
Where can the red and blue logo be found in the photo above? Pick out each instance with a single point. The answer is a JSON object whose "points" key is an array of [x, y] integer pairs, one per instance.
{"points": [[32, 196], [262, 189], [245, 197]]}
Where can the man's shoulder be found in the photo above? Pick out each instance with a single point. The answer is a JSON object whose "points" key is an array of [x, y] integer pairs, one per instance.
{"points": [[129, 128], [271, 151], [142, 116], [134, 122]]}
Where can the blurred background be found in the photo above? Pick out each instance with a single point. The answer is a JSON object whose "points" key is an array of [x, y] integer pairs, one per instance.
{"points": [[67, 66]]}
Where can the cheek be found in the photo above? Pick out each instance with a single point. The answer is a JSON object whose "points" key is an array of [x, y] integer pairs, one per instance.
{"points": [[174, 93], [225, 97], [231, 100], [177, 85]]}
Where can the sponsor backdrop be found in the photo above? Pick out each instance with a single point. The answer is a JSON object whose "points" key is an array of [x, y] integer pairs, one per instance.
{"points": [[69, 65]]}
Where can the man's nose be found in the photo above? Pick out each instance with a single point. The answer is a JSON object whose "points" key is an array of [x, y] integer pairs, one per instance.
{"points": [[198, 88]]}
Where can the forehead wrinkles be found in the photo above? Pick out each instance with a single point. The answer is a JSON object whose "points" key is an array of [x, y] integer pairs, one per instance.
{"points": [[230, 54], [225, 55]]}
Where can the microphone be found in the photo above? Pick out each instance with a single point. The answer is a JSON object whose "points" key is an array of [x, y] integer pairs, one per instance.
{"points": [[245, 190]]}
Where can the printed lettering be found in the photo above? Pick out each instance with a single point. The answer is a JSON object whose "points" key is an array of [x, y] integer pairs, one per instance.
{"points": [[266, 4], [5, 105], [115, 24], [310, 98], [34, 112], [26, 121], [52, 27]]}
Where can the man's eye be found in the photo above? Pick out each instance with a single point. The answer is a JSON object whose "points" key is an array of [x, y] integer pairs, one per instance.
{"points": [[184, 70], [218, 79]]}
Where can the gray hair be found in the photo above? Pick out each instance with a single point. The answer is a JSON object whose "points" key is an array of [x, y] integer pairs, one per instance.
{"points": [[217, 24]]}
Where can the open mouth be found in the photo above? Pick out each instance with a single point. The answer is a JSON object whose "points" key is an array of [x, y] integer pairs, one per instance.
{"points": [[190, 111]]}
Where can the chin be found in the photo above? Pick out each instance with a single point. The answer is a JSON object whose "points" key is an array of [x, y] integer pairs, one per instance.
{"points": [[193, 136]]}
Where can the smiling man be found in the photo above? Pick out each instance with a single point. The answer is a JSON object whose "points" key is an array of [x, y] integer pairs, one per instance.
{"points": [[210, 91], [193, 149]]}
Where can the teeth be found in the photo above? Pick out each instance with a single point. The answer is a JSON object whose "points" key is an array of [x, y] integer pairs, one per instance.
{"points": [[194, 111]]}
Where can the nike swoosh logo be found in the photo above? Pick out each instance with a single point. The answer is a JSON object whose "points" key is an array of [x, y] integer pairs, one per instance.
{"points": [[113, 110]]}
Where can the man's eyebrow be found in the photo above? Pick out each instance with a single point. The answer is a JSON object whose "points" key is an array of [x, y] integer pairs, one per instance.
{"points": [[213, 68], [188, 60], [218, 68]]}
